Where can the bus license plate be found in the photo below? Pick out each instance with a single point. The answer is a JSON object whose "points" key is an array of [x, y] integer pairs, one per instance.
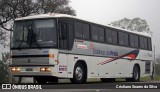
{"points": [[29, 69]]}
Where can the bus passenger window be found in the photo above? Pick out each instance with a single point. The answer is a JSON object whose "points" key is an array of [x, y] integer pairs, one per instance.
{"points": [[108, 36], [114, 37], [85, 31], [149, 44], [94, 33], [145, 43], [121, 38], [101, 35], [141, 43], [78, 30]]}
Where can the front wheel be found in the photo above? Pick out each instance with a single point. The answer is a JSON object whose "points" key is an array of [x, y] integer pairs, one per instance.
{"points": [[79, 74]]}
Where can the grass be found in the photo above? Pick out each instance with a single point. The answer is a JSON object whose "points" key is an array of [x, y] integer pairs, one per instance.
{"points": [[156, 78]]}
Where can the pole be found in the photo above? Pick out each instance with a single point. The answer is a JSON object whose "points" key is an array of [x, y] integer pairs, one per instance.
{"points": [[154, 62]]}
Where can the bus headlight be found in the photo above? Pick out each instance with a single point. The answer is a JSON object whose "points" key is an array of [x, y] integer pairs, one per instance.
{"points": [[15, 69], [48, 69], [45, 69]]}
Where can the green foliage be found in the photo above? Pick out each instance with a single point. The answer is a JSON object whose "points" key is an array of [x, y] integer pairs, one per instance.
{"points": [[4, 74], [135, 24], [157, 70]]}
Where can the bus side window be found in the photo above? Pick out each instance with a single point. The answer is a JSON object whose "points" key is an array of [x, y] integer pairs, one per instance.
{"points": [[149, 44], [121, 38], [78, 29], [94, 32], [141, 42], [136, 41], [108, 36], [101, 34], [145, 43], [85, 31], [114, 37]]}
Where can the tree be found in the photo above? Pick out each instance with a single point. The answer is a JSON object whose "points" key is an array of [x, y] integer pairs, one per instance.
{"points": [[158, 60], [135, 24], [4, 73], [11, 9]]}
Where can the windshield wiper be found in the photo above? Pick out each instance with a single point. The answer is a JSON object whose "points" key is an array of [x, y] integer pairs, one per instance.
{"points": [[20, 44]]}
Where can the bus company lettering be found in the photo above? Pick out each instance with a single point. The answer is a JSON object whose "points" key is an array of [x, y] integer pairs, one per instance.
{"points": [[81, 46], [106, 53]]}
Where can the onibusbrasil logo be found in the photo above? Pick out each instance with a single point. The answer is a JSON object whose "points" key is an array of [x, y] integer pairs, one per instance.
{"points": [[18, 86]]}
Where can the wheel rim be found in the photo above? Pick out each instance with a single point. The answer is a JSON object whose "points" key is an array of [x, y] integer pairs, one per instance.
{"points": [[78, 73], [136, 74]]}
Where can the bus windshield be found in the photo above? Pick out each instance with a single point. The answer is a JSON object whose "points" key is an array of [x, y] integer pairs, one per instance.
{"points": [[34, 34]]}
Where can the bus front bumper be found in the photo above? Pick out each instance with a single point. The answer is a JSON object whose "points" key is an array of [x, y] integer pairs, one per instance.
{"points": [[33, 71]]}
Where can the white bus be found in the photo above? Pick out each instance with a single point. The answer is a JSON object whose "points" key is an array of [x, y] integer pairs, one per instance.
{"points": [[52, 46]]}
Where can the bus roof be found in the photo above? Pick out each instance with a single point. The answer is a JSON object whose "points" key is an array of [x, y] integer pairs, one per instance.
{"points": [[57, 15]]}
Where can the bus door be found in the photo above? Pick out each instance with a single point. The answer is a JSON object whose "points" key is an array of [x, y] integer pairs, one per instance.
{"points": [[65, 43], [63, 46]]}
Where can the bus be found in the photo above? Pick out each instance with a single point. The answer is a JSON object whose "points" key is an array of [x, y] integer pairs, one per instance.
{"points": [[52, 46]]}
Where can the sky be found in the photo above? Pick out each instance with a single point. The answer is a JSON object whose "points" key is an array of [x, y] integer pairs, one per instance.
{"points": [[106, 11]]}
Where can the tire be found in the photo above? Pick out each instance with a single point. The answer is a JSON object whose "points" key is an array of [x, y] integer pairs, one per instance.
{"points": [[136, 75], [41, 80], [105, 80], [79, 74]]}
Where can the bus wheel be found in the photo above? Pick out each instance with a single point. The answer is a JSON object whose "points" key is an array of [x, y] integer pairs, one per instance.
{"points": [[41, 80], [79, 74], [108, 80], [136, 75]]}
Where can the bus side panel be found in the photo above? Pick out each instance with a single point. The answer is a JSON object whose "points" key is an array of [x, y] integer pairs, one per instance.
{"points": [[107, 70], [121, 68], [63, 65]]}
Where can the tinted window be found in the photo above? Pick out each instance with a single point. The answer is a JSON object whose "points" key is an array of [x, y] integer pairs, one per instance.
{"points": [[81, 30], [97, 33], [133, 40], [114, 37], [123, 39], [108, 36], [101, 34], [136, 41], [145, 43], [78, 30], [132, 44], [141, 43], [126, 39], [149, 44], [111, 36], [94, 33], [71, 36], [85, 31]]}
